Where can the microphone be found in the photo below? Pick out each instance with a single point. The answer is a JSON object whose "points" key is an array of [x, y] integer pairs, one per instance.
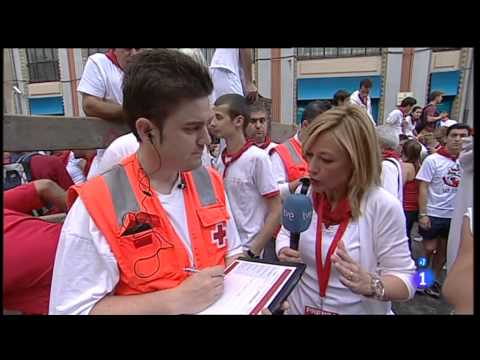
{"points": [[296, 216]]}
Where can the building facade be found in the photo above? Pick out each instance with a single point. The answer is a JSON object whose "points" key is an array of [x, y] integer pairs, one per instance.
{"points": [[43, 81]]}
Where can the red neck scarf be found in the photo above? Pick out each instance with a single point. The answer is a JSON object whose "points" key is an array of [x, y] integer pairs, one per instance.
{"points": [[235, 156], [391, 154], [113, 58], [265, 144], [444, 152], [322, 206]]}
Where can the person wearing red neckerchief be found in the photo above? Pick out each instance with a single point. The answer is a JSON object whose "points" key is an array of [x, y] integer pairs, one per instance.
{"points": [[396, 118], [101, 89], [247, 174], [439, 178], [356, 248], [258, 126], [392, 177], [361, 97]]}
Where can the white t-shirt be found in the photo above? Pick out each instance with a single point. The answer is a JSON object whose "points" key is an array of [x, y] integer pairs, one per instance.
{"points": [[226, 73], [75, 170], [383, 223], [391, 178], [447, 123], [444, 176], [248, 181], [103, 79], [86, 270], [355, 99], [124, 146], [270, 147], [410, 127], [228, 59], [395, 119]]}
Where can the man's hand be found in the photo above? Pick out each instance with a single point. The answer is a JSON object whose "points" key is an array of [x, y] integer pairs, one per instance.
{"points": [[201, 290], [288, 254], [284, 307], [424, 222], [251, 92]]}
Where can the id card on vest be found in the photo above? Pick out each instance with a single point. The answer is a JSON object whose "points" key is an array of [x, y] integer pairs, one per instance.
{"points": [[315, 311]]}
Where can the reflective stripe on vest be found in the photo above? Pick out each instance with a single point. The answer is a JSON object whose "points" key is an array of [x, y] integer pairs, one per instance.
{"points": [[118, 183], [293, 153], [124, 200], [204, 187]]}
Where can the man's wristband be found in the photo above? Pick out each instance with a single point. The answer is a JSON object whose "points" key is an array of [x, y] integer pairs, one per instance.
{"points": [[422, 215]]}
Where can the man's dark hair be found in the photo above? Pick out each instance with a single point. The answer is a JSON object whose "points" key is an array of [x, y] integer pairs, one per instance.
{"points": [[434, 94], [458, 126], [156, 82], [415, 108], [257, 106], [366, 83], [237, 105], [315, 108], [408, 101], [340, 95]]}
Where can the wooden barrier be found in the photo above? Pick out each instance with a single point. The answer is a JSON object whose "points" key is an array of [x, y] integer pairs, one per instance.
{"points": [[31, 133]]}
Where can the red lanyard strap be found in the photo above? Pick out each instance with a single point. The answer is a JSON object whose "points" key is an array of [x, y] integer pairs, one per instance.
{"points": [[323, 273]]}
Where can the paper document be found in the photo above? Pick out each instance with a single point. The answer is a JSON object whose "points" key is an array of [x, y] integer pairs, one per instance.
{"points": [[250, 287]]}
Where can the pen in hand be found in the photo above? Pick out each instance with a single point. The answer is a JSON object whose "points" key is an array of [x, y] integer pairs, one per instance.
{"points": [[193, 270]]}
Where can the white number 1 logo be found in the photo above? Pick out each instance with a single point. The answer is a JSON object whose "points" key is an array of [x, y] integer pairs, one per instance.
{"points": [[422, 282]]}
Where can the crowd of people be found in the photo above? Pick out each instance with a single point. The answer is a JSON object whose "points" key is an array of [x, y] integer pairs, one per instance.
{"points": [[198, 182]]}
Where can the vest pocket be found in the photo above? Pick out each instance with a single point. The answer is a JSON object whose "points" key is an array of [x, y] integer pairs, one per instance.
{"points": [[147, 256], [213, 219]]}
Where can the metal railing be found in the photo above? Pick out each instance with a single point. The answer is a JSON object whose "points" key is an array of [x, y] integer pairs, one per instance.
{"points": [[322, 53]]}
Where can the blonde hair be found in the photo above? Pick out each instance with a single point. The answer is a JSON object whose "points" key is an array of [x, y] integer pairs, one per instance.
{"points": [[352, 129]]}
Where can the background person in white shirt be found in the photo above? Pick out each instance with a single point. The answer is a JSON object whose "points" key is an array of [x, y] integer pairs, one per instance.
{"points": [[258, 127], [445, 121], [396, 118], [392, 178], [361, 97], [411, 121], [247, 174], [101, 89], [440, 177], [127, 144], [176, 111], [231, 71], [354, 219]]}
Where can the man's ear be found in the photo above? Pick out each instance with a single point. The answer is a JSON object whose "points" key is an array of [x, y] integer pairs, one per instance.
{"points": [[144, 128], [238, 121]]}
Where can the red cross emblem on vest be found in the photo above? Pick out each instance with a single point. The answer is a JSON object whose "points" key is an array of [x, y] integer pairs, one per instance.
{"points": [[219, 236]]}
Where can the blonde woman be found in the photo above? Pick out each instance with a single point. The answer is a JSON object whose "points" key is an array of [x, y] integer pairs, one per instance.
{"points": [[356, 248]]}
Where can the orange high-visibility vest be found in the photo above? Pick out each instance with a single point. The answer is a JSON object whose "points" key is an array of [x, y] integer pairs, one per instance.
{"points": [[154, 258], [291, 154]]}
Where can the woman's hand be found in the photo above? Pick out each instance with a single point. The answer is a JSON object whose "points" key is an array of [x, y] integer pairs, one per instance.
{"points": [[288, 254], [351, 274]]}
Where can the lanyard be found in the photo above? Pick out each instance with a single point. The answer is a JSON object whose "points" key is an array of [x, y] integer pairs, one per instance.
{"points": [[323, 273]]}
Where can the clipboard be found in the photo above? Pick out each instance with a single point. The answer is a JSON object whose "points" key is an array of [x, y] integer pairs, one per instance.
{"points": [[284, 293], [248, 294]]}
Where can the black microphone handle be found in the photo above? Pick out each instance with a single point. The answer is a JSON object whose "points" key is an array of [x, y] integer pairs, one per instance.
{"points": [[294, 239]]}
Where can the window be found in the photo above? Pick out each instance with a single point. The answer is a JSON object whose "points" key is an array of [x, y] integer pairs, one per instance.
{"points": [[43, 65], [321, 53], [444, 49], [91, 51]]}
